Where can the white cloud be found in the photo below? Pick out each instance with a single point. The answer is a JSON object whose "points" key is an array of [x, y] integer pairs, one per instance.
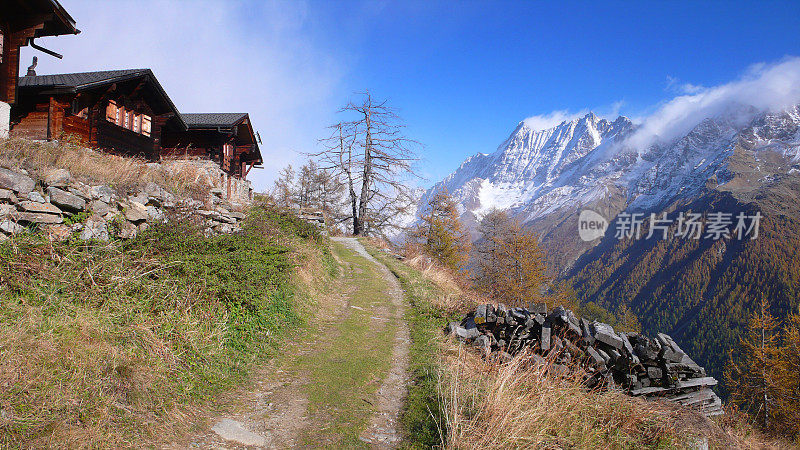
{"points": [[689, 88], [554, 118], [545, 121], [612, 111], [675, 85], [763, 87], [214, 56]]}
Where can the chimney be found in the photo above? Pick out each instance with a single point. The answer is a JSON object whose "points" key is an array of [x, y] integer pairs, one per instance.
{"points": [[31, 69]]}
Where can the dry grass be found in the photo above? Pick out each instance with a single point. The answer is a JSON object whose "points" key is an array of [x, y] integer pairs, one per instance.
{"points": [[487, 404], [737, 424], [521, 405], [90, 166], [454, 295]]}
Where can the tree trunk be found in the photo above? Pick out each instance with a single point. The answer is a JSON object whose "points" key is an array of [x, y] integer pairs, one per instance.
{"points": [[367, 174]]}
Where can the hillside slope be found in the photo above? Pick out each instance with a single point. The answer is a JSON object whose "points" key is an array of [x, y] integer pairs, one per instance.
{"points": [[740, 160], [459, 400], [701, 291], [105, 344]]}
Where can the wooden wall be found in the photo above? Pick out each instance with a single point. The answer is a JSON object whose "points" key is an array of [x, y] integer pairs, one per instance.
{"points": [[79, 128], [123, 141], [32, 126], [199, 143]]}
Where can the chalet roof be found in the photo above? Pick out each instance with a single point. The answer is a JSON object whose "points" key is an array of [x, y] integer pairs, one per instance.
{"points": [[213, 120], [54, 18], [77, 82], [222, 121], [81, 80]]}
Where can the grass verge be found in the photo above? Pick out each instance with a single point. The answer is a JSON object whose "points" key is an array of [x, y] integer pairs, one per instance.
{"points": [[107, 344], [459, 400]]}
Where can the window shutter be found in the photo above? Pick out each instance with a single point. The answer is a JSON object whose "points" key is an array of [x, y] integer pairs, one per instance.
{"points": [[146, 125], [226, 157], [111, 112]]}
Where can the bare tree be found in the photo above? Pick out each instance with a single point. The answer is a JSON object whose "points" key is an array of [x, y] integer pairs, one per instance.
{"points": [[374, 158], [284, 189], [312, 187]]}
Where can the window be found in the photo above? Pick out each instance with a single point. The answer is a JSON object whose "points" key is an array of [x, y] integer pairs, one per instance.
{"points": [[146, 125], [138, 123], [227, 151], [79, 108], [2, 41]]}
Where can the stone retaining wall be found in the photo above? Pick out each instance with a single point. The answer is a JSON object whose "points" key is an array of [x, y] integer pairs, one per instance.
{"points": [[207, 173], [63, 206]]}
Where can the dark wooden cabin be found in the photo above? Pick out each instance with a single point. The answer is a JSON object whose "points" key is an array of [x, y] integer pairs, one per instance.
{"points": [[22, 21], [123, 111], [227, 138]]}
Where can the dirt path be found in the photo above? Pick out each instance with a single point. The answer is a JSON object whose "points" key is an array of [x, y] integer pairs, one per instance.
{"points": [[339, 384], [383, 430]]}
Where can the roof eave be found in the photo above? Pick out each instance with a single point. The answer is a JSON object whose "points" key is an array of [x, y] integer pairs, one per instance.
{"points": [[63, 23], [130, 76], [184, 126]]}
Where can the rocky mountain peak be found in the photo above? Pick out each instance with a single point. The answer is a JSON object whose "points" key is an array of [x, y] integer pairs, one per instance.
{"points": [[585, 160]]}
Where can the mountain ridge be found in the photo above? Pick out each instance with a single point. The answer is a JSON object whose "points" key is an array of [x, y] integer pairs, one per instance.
{"points": [[589, 159], [700, 291]]}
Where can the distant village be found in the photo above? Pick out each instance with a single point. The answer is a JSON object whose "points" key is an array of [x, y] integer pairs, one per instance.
{"points": [[126, 112]]}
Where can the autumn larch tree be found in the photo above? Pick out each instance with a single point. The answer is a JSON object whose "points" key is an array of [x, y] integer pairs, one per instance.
{"points": [[441, 233], [284, 190], [787, 379], [510, 264], [312, 187], [751, 374]]}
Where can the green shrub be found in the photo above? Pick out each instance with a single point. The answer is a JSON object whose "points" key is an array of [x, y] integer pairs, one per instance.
{"points": [[91, 330]]}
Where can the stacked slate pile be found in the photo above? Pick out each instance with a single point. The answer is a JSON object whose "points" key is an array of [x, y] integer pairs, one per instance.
{"points": [[635, 363]]}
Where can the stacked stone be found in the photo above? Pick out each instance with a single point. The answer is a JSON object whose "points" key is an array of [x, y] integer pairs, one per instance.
{"points": [[637, 364], [63, 206]]}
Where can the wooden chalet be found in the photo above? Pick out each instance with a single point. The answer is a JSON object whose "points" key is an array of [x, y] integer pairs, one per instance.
{"points": [[124, 111], [227, 138], [21, 22]]}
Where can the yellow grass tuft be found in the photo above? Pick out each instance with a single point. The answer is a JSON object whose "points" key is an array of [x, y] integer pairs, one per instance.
{"points": [[520, 404], [90, 166]]}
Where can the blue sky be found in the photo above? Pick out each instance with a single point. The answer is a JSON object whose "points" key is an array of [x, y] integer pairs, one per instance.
{"points": [[462, 74]]}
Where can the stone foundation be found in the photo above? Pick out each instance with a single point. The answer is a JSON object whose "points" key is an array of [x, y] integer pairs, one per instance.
{"points": [[207, 173], [64, 207]]}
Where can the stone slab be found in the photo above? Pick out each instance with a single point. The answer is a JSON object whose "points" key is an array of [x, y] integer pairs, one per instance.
{"points": [[37, 207], [15, 181], [66, 200], [235, 431]]}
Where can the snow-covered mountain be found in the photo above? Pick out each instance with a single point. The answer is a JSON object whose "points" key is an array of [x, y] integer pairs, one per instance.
{"points": [[594, 162]]}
